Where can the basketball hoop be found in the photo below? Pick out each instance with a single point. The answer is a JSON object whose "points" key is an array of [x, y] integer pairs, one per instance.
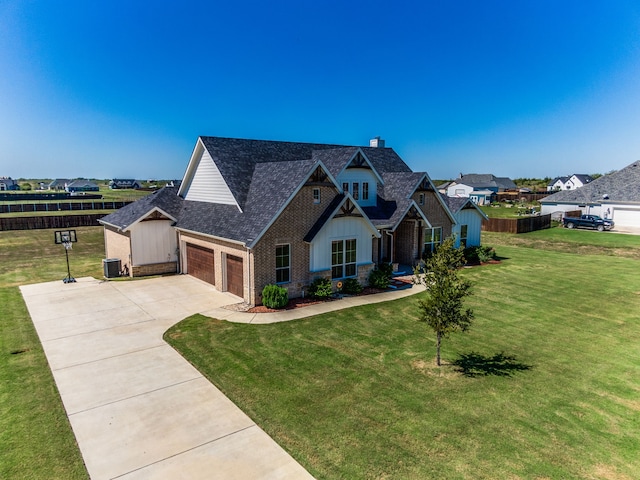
{"points": [[67, 238]]}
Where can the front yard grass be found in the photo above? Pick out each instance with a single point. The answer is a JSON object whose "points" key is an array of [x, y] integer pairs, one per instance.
{"points": [[36, 441], [544, 385]]}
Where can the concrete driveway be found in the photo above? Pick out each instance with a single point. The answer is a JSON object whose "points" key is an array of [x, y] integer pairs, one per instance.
{"points": [[137, 408]]}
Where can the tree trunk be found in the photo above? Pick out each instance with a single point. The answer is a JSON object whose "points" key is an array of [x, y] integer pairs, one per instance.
{"points": [[438, 337]]}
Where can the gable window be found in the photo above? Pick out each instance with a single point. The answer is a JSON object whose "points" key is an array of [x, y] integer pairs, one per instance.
{"points": [[343, 258], [316, 195], [463, 235], [283, 263], [356, 190], [421, 199], [345, 187], [432, 238], [365, 190]]}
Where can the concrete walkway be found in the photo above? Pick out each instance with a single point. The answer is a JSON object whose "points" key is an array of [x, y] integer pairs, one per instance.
{"points": [[137, 408]]}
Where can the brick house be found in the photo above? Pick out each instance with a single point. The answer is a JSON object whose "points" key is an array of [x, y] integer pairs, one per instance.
{"points": [[251, 212]]}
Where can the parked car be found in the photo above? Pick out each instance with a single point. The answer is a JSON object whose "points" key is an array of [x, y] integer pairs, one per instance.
{"points": [[588, 221]]}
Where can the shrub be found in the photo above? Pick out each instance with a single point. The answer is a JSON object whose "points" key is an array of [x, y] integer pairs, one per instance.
{"points": [[321, 288], [381, 276], [479, 254], [274, 296], [351, 286]]}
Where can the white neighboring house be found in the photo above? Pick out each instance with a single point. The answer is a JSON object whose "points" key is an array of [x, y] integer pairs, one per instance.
{"points": [[615, 196], [571, 182]]}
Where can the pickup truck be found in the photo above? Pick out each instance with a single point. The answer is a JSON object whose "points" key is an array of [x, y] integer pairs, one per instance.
{"points": [[588, 221]]}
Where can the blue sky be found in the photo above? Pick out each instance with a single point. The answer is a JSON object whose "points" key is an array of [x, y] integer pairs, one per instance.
{"points": [[515, 88]]}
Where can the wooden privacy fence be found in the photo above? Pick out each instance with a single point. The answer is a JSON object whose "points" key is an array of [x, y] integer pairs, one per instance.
{"points": [[517, 225], [52, 221], [61, 206]]}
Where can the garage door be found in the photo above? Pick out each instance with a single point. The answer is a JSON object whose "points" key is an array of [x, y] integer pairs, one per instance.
{"points": [[234, 276], [200, 263], [626, 217]]}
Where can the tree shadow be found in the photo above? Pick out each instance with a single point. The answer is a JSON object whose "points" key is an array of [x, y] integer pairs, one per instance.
{"points": [[477, 365]]}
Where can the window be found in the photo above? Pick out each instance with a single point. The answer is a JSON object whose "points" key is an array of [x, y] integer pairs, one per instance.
{"points": [[356, 190], [345, 187], [316, 195], [343, 258], [365, 190], [421, 199], [283, 263], [432, 238], [463, 235]]}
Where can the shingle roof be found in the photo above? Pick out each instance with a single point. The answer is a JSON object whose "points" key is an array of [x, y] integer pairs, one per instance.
{"points": [[622, 186], [262, 176], [486, 180], [165, 199], [269, 188]]}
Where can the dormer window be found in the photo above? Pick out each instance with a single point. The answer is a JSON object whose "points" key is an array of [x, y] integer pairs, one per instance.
{"points": [[356, 190], [365, 190], [345, 187], [421, 199], [316, 195]]}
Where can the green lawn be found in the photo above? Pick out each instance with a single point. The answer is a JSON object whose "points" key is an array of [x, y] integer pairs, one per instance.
{"points": [[539, 388], [36, 441], [545, 384]]}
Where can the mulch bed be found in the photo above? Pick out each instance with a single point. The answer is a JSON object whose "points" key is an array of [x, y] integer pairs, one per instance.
{"points": [[305, 302]]}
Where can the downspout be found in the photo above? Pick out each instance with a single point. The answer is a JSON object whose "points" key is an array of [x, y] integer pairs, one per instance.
{"points": [[391, 259]]}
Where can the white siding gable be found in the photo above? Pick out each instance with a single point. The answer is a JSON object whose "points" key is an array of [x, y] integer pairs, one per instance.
{"points": [[207, 184], [459, 190], [360, 176], [341, 229], [153, 242]]}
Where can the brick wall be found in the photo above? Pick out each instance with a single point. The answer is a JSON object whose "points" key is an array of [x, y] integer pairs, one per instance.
{"points": [[290, 228], [435, 212]]}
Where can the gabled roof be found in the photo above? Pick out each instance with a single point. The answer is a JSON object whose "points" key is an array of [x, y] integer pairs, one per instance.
{"points": [[165, 201], [333, 209], [485, 180], [456, 204], [394, 198], [622, 186], [59, 182], [271, 187], [82, 183], [339, 159]]}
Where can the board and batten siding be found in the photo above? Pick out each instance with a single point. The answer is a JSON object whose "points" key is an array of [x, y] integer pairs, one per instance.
{"points": [[153, 241], [473, 220], [341, 229], [208, 185], [360, 175]]}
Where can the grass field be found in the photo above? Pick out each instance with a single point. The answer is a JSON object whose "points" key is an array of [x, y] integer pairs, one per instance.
{"points": [[544, 386], [36, 441]]}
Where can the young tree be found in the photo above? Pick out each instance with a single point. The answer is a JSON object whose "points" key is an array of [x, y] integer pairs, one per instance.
{"points": [[442, 308]]}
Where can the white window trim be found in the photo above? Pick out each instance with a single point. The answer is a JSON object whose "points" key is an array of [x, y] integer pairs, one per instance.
{"points": [[283, 268]]}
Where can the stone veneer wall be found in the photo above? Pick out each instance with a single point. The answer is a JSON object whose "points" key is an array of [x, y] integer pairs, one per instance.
{"points": [[154, 269]]}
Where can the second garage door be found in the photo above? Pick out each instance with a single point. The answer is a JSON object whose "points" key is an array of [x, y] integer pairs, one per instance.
{"points": [[235, 283], [200, 263]]}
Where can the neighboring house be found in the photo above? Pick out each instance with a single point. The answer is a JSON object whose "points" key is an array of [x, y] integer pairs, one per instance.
{"points": [[119, 183], [59, 184], [572, 182], [615, 196], [469, 218], [250, 213], [8, 184], [480, 188], [81, 185]]}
